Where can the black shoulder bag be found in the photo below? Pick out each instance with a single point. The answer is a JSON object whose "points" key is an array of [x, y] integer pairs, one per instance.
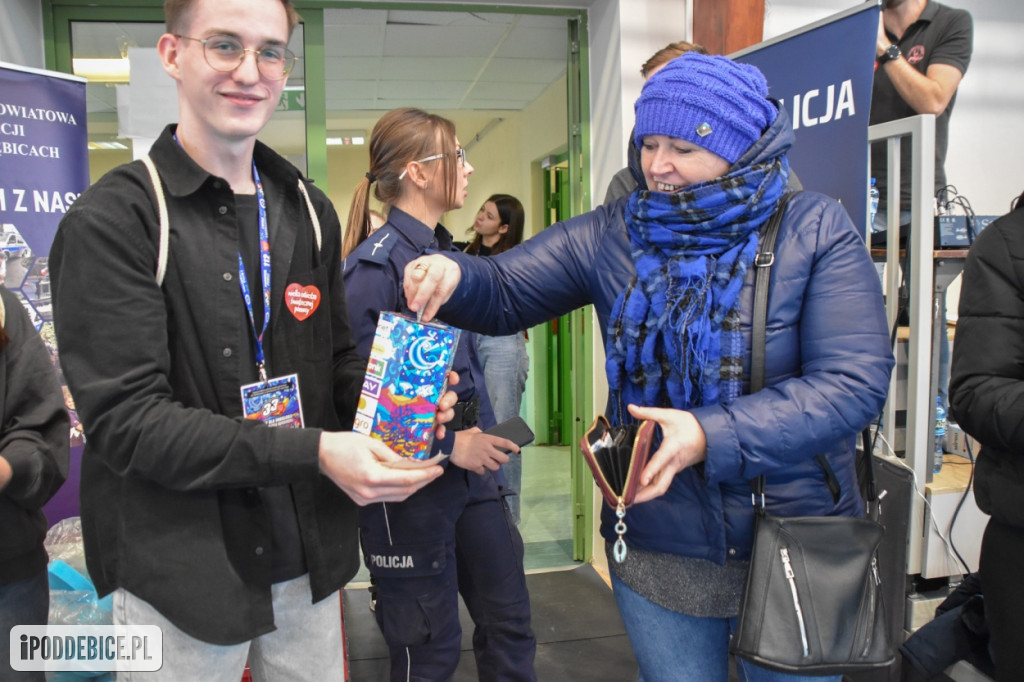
{"points": [[812, 603]]}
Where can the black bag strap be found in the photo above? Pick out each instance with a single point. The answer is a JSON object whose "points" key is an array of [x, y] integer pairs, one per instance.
{"points": [[762, 275], [763, 262]]}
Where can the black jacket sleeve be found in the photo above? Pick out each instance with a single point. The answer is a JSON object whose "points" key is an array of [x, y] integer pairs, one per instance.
{"points": [[35, 430], [987, 374]]}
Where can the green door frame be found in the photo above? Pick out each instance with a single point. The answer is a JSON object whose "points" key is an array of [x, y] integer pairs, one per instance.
{"points": [[553, 366], [58, 15], [580, 321]]}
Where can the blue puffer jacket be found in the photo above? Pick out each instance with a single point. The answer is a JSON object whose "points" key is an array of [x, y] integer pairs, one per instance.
{"points": [[828, 362]]}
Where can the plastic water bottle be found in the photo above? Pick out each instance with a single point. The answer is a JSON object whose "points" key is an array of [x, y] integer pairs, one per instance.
{"points": [[873, 197], [940, 434]]}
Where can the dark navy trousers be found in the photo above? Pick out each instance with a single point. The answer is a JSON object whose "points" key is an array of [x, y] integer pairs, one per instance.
{"points": [[453, 536]]}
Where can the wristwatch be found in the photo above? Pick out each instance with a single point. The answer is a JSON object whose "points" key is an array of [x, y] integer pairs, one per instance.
{"points": [[891, 52]]}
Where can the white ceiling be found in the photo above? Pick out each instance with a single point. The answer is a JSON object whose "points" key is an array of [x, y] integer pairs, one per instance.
{"points": [[380, 59]]}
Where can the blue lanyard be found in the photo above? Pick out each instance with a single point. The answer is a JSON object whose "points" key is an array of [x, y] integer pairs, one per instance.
{"points": [[243, 281]]}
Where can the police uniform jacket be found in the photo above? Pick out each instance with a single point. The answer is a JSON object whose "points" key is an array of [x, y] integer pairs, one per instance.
{"points": [[373, 278]]}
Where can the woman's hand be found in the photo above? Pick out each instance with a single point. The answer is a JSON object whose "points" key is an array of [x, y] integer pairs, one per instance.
{"points": [[682, 445], [429, 283], [478, 451]]}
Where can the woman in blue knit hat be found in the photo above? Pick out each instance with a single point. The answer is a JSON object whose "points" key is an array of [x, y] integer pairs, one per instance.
{"points": [[670, 273]]}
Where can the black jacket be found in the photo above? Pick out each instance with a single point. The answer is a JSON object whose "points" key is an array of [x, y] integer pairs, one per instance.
{"points": [[171, 508], [33, 440], [986, 387]]}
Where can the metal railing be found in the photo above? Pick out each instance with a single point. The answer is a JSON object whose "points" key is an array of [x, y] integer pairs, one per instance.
{"points": [[920, 406]]}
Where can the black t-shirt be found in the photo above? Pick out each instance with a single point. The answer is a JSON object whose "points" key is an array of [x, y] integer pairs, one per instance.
{"points": [[941, 35], [287, 560]]}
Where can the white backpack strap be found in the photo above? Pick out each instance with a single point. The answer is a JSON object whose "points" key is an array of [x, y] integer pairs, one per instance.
{"points": [[158, 189], [3, 312], [312, 213], [161, 262]]}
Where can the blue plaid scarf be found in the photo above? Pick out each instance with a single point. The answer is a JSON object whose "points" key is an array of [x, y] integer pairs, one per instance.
{"points": [[674, 334]]}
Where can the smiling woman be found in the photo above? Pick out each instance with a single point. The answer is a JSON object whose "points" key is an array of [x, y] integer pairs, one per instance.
{"points": [[669, 274], [671, 163]]}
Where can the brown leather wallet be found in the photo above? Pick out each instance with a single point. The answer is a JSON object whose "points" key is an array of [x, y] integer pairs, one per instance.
{"points": [[616, 456]]}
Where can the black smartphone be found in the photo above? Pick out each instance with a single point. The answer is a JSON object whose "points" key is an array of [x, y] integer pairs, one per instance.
{"points": [[515, 429]]}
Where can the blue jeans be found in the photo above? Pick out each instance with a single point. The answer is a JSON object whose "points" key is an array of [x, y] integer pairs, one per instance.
{"points": [[306, 646], [673, 647], [506, 365], [23, 602]]}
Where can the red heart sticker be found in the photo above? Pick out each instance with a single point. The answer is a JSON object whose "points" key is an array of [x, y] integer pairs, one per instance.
{"points": [[302, 301]]}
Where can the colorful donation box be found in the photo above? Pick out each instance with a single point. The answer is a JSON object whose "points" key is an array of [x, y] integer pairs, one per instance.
{"points": [[405, 378]]}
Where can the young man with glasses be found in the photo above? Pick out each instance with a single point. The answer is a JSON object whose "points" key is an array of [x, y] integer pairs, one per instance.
{"points": [[231, 536]]}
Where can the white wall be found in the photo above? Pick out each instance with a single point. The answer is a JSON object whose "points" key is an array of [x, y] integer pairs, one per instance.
{"points": [[21, 33], [623, 35]]}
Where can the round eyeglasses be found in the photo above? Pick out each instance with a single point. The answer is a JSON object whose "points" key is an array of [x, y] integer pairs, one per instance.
{"points": [[226, 53]]}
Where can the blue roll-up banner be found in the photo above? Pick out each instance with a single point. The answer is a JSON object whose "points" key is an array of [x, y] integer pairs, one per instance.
{"points": [[822, 74], [44, 166]]}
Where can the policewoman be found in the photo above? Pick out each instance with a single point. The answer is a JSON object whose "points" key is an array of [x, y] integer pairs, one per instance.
{"points": [[456, 534]]}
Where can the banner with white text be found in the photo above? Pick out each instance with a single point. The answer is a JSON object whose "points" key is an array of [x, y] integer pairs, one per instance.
{"points": [[44, 166], [822, 74]]}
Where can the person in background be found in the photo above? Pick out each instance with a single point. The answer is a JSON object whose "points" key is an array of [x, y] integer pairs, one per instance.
{"points": [[231, 536], [33, 466], [626, 180], [987, 399], [669, 271], [456, 533], [921, 55], [499, 226]]}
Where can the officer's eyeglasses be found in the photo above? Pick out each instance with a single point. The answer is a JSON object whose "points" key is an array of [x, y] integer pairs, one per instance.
{"points": [[460, 153], [225, 53]]}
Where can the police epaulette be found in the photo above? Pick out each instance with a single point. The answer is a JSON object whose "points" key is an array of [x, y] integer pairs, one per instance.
{"points": [[377, 246]]}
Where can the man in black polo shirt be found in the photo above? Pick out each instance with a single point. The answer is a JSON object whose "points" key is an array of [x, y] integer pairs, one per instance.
{"points": [[923, 51]]}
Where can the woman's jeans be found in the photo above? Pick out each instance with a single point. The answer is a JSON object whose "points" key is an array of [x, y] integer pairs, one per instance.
{"points": [[506, 365], [673, 647]]}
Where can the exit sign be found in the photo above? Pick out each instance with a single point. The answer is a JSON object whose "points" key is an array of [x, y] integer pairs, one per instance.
{"points": [[292, 100]]}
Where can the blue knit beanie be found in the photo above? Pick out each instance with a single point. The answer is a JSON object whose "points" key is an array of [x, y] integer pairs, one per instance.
{"points": [[712, 101]]}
